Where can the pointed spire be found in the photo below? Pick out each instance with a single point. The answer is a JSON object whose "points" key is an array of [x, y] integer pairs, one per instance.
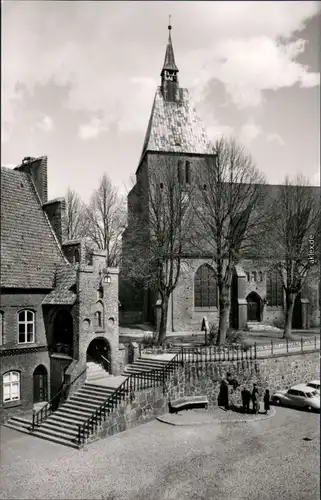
{"points": [[169, 63]]}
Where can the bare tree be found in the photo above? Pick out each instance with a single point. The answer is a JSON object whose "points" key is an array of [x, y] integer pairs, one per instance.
{"points": [[158, 231], [231, 217], [74, 216], [292, 245], [106, 218]]}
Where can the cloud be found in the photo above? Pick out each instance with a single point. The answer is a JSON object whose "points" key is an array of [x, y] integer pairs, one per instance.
{"points": [[92, 129], [46, 124], [222, 42], [249, 66], [274, 137], [249, 132], [217, 130]]}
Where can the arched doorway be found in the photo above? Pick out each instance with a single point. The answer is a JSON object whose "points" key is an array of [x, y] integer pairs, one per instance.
{"points": [[40, 384], [253, 307], [63, 332], [99, 352]]}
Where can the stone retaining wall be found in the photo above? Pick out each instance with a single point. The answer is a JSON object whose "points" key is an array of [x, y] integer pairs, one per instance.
{"points": [[279, 372]]}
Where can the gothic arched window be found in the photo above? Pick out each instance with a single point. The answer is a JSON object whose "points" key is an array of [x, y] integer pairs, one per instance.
{"points": [[187, 172], [274, 289], [76, 255], [180, 172], [205, 288], [99, 315]]}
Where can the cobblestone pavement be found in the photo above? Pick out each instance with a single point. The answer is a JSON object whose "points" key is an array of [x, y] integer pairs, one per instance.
{"points": [[266, 460]]}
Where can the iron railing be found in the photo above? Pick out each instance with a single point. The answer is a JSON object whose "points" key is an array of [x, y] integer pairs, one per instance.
{"points": [[39, 416], [184, 355], [135, 382], [198, 353]]}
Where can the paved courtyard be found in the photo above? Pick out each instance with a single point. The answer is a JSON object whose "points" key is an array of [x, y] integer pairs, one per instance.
{"points": [[259, 460]]}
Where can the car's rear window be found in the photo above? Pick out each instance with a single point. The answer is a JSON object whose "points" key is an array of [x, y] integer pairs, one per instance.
{"points": [[315, 386]]}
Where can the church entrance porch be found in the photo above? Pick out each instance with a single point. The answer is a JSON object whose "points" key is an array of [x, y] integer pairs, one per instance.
{"points": [[253, 307]]}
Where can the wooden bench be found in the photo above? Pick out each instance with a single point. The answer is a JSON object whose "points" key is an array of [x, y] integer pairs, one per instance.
{"points": [[187, 403]]}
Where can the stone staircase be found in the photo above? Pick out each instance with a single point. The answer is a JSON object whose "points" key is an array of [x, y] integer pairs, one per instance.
{"points": [[148, 363], [62, 425], [95, 371]]}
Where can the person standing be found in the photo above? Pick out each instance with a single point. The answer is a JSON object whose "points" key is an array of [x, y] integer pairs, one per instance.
{"points": [[223, 395], [255, 399], [266, 400], [247, 396], [243, 396]]}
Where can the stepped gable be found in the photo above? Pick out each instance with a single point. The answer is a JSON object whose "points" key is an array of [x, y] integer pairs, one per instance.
{"points": [[29, 248], [174, 127]]}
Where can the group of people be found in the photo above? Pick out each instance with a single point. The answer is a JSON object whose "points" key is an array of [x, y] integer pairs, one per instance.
{"points": [[246, 395]]}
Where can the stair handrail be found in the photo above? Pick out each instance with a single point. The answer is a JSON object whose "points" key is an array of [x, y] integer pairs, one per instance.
{"points": [[105, 359], [44, 412], [90, 425]]}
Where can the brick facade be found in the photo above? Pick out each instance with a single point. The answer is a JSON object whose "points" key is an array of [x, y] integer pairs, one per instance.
{"points": [[63, 285]]}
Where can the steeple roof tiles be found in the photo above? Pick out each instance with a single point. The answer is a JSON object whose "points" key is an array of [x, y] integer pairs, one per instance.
{"points": [[174, 127]]}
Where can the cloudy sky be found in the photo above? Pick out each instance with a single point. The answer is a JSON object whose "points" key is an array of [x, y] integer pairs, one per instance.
{"points": [[78, 80]]}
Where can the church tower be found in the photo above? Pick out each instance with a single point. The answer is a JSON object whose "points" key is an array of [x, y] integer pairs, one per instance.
{"points": [[169, 86], [174, 134]]}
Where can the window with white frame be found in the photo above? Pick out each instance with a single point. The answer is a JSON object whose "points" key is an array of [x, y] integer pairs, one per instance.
{"points": [[26, 327], [11, 386]]}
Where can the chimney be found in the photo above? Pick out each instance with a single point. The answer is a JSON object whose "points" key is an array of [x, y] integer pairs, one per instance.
{"points": [[37, 168], [55, 210]]}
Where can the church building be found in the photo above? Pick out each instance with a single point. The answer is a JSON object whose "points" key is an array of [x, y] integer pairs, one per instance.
{"points": [[175, 130]]}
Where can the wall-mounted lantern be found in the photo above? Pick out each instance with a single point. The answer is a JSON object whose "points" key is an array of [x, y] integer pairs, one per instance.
{"points": [[107, 278]]}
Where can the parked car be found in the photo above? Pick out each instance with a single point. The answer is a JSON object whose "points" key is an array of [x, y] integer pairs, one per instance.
{"points": [[300, 396], [315, 384]]}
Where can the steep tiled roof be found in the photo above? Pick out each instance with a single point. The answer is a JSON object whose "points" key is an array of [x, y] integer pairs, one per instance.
{"points": [[175, 127], [65, 282], [29, 249]]}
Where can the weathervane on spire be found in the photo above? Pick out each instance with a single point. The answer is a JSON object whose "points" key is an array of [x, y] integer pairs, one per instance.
{"points": [[169, 22]]}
